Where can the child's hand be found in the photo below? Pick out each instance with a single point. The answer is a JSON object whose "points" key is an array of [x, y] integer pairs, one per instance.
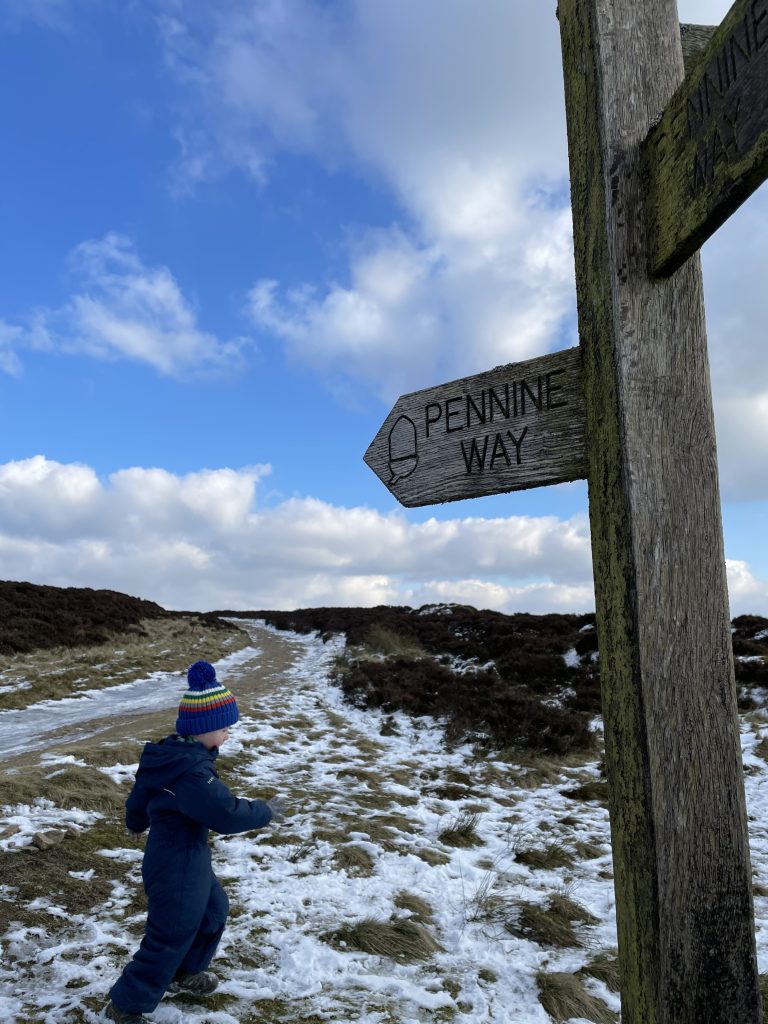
{"points": [[276, 804]]}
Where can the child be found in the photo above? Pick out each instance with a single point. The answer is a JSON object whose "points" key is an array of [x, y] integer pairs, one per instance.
{"points": [[178, 793]]}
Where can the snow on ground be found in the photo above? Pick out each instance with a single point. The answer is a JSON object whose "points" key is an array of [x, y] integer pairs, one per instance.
{"points": [[369, 796], [27, 729]]}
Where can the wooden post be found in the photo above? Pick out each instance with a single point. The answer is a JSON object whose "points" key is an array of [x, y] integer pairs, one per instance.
{"points": [[678, 817]]}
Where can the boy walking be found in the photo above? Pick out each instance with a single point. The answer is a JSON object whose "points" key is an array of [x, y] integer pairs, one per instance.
{"points": [[178, 793]]}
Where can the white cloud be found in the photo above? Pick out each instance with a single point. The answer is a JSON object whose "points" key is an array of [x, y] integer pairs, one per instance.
{"points": [[747, 594], [205, 540], [458, 109], [123, 309], [412, 315], [453, 106]]}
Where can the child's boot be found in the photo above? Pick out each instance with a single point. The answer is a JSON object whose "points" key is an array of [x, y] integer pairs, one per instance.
{"points": [[201, 984], [114, 1013]]}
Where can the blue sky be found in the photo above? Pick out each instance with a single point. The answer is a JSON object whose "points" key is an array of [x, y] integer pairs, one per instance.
{"points": [[234, 233]]}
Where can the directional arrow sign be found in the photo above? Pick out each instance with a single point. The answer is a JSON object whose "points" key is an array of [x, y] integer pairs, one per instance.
{"points": [[518, 426], [709, 150]]}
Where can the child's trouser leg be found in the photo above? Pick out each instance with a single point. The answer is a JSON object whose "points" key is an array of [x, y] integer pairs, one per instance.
{"points": [[209, 933], [173, 922]]}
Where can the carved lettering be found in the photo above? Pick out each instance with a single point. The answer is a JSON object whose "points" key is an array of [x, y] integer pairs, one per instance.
{"points": [[760, 34], [493, 404], [552, 388], [499, 451], [474, 455], [430, 420], [525, 389], [741, 50], [517, 442], [472, 405], [503, 407], [713, 111], [450, 414]]}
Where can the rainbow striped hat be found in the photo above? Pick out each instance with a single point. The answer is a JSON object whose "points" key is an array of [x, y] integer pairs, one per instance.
{"points": [[207, 705]]}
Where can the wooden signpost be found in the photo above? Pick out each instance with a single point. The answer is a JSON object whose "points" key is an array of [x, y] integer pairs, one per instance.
{"points": [[657, 161]]}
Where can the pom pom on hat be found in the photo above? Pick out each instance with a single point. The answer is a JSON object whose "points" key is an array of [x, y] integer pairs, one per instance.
{"points": [[207, 705], [201, 675]]}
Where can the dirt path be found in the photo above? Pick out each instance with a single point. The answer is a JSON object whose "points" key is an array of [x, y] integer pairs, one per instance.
{"points": [[261, 674]]}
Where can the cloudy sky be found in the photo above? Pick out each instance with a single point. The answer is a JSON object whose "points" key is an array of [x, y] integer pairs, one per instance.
{"points": [[234, 232]]}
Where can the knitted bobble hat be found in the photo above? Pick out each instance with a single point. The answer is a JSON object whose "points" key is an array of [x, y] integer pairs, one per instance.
{"points": [[207, 705]]}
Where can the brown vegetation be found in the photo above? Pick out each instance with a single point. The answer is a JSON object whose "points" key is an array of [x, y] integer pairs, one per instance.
{"points": [[511, 688], [34, 617]]}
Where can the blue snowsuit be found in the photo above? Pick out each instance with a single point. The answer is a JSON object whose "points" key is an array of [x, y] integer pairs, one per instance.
{"points": [[178, 793]]}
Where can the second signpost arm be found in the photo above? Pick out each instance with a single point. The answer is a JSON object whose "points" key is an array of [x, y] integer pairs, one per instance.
{"points": [[678, 819]]}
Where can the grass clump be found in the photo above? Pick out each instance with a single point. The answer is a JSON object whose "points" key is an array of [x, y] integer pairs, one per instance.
{"points": [[354, 860], [554, 855], [588, 850], [571, 910], [419, 909], [596, 790], [432, 857], [389, 642], [401, 940], [72, 786], [550, 925], [564, 997], [462, 831], [605, 967]]}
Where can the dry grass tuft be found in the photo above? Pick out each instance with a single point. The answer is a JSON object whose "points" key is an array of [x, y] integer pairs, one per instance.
{"points": [[547, 926], [570, 909], [595, 790], [70, 786], [354, 860], [462, 831], [404, 941], [554, 855], [564, 997], [432, 857], [605, 967], [419, 908], [588, 850], [387, 642], [109, 754]]}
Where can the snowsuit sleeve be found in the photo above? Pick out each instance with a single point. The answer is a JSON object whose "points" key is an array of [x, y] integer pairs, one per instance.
{"points": [[204, 798], [136, 817]]}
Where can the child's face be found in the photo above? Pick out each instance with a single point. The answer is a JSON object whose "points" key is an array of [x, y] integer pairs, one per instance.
{"points": [[214, 739]]}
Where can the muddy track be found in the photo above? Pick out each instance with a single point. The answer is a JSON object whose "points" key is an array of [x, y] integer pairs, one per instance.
{"points": [[264, 674]]}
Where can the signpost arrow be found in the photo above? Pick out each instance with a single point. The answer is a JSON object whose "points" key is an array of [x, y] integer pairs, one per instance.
{"points": [[517, 426], [709, 150]]}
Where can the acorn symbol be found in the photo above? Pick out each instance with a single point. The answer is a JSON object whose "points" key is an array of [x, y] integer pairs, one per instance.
{"points": [[403, 450]]}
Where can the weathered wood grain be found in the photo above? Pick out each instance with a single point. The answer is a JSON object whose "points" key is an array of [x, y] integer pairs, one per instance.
{"points": [[518, 426], [678, 818], [694, 40], [709, 151]]}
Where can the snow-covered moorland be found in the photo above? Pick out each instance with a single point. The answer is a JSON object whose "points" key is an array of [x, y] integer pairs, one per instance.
{"points": [[482, 884]]}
